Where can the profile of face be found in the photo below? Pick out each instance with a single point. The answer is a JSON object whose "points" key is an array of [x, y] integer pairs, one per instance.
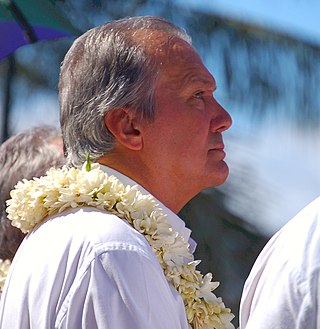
{"points": [[185, 138]]}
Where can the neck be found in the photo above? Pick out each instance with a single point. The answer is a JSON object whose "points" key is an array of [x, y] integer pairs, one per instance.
{"points": [[159, 183]]}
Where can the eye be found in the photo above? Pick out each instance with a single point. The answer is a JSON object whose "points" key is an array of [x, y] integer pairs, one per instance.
{"points": [[198, 95]]}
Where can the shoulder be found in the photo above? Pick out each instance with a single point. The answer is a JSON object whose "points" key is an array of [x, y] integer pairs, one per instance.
{"points": [[292, 254], [97, 224], [298, 239], [75, 240], [287, 273], [86, 231]]}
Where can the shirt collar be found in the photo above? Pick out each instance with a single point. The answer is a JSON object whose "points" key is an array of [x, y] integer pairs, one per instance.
{"points": [[176, 223]]}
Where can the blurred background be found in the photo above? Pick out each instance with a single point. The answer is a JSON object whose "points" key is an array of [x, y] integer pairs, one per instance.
{"points": [[264, 55]]}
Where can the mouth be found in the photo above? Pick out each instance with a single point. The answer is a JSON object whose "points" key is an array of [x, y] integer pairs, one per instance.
{"points": [[217, 147], [218, 150]]}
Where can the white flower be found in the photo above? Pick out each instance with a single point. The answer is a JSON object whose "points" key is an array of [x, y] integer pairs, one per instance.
{"points": [[206, 288], [4, 269], [32, 201]]}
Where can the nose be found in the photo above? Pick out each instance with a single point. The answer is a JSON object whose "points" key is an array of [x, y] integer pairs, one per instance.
{"points": [[221, 119]]}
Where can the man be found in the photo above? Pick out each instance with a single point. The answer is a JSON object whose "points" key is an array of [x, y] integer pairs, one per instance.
{"points": [[26, 155], [282, 290], [136, 98]]}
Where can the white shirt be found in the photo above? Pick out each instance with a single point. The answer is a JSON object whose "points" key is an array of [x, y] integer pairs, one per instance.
{"points": [[282, 290], [89, 269]]}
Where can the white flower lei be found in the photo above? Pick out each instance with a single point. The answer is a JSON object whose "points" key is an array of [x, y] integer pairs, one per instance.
{"points": [[4, 269], [32, 201]]}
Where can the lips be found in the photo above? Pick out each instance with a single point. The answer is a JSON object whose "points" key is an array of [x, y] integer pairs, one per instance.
{"points": [[217, 143], [218, 151], [219, 147]]}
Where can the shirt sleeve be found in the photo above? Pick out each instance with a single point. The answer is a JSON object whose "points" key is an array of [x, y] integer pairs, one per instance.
{"points": [[122, 289]]}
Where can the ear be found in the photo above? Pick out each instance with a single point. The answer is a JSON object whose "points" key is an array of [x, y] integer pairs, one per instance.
{"points": [[123, 125]]}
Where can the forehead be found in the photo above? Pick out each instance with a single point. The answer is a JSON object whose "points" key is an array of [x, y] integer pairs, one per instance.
{"points": [[182, 67]]}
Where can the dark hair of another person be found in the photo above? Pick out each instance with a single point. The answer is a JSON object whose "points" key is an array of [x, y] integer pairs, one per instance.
{"points": [[25, 155]]}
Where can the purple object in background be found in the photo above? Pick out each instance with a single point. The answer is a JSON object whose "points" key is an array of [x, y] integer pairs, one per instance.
{"points": [[23, 22]]}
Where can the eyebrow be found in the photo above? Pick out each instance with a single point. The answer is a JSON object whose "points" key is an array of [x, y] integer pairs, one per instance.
{"points": [[194, 78]]}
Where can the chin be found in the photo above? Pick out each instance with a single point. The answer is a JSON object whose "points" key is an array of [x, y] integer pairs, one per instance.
{"points": [[220, 175]]}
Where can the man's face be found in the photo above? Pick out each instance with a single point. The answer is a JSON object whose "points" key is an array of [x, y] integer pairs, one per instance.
{"points": [[185, 137]]}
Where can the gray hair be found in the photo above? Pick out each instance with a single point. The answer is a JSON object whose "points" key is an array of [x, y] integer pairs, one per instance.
{"points": [[108, 68], [25, 155]]}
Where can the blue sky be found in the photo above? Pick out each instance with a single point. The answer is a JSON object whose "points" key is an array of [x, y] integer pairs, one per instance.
{"points": [[299, 18]]}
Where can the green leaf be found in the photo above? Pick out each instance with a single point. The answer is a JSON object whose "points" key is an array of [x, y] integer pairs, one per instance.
{"points": [[88, 162]]}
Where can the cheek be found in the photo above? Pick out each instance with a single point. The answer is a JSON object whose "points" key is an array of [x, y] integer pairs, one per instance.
{"points": [[194, 139], [186, 134], [192, 151]]}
